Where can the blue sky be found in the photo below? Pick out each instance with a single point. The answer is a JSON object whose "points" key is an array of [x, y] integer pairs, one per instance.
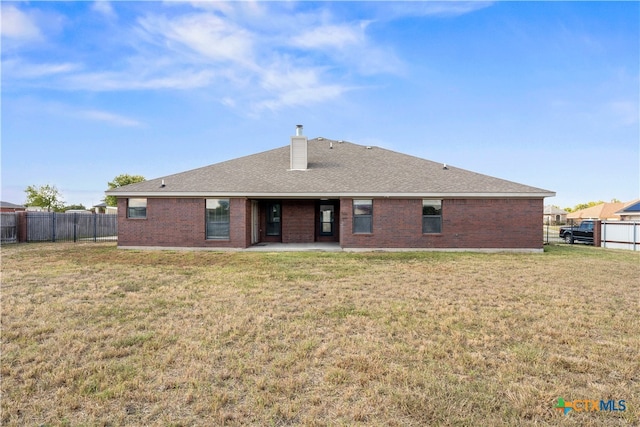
{"points": [[541, 93]]}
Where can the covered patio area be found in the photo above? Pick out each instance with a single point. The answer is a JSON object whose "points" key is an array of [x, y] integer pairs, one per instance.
{"points": [[294, 221]]}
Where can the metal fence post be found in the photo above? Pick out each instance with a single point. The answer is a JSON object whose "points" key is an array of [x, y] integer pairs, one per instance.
{"points": [[95, 227], [548, 221], [53, 226], [27, 220]]}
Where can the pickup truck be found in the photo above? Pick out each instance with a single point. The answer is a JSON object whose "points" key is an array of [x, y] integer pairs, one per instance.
{"points": [[582, 233]]}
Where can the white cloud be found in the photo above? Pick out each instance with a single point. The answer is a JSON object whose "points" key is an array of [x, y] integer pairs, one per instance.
{"points": [[625, 112], [225, 7], [111, 118], [228, 101], [248, 54], [104, 8], [349, 47], [283, 77], [18, 25], [128, 80], [293, 86], [18, 68], [144, 75], [248, 62], [246, 11], [206, 34], [447, 8], [38, 107], [331, 36], [306, 95]]}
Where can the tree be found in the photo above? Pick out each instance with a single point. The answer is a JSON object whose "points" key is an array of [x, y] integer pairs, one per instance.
{"points": [[121, 181], [45, 196], [581, 206], [79, 207]]}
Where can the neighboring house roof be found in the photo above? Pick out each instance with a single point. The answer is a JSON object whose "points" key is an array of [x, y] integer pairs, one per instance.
{"points": [[346, 169], [601, 211], [100, 205], [553, 210], [631, 208], [8, 205]]}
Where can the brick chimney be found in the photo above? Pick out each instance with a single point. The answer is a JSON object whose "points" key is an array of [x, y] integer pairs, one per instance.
{"points": [[299, 150]]}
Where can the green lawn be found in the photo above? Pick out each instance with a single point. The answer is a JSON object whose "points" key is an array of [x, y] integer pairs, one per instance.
{"points": [[93, 335]]}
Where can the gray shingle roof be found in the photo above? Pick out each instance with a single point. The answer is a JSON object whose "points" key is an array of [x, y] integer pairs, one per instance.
{"points": [[346, 170], [9, 205], [553, 210]]}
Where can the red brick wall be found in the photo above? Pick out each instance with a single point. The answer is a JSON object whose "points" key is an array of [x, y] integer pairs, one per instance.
{"points": [[397, 223], [298, 221], [597, 234], [466, 223], [172, 222]]}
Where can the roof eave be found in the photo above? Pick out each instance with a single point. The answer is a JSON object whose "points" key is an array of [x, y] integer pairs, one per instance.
{"points": [[334, 195]]}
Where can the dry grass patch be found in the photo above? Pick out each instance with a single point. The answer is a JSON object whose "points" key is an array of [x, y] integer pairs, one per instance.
{"points": [[92, 335]]}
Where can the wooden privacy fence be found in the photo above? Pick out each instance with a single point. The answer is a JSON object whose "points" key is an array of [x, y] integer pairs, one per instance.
{"points": [[9, 225], [58, 227]]}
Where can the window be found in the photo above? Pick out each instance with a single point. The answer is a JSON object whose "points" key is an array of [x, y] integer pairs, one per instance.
{"points": [[363, 216], [217, 217], [431, 216], [137, 208]]}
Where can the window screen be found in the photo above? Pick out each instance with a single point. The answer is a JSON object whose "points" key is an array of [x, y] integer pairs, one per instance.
{"points": [[363, 216], [431, 216], [217, 217], [137, 208]]}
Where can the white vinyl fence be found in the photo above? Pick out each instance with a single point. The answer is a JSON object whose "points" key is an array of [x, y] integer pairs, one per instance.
{"points": [[620, 235]]}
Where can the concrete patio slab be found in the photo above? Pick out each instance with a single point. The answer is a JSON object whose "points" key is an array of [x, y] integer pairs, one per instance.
{"points": [[295, 247]]}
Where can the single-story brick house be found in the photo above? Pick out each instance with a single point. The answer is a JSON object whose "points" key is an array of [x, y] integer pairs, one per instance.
{"points": [[631, 211], [322, 190], [603, 211], [11, 207], [553, 215]]}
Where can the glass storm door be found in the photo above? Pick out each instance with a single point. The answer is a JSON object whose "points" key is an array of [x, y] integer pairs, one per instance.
{"points": [[326, 220], [273, 219]]}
